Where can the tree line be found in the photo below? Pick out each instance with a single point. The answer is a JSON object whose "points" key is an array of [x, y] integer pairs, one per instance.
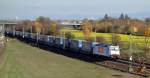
{"points": [[122, 25], [42, 25]]}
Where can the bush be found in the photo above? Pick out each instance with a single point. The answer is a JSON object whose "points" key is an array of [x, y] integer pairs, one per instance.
{"points": [[100, 39], [69, 35], [89, 39], [116, 39]]}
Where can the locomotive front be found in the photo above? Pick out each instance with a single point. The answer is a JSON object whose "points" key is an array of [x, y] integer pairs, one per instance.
{"points": [[106, 50]]}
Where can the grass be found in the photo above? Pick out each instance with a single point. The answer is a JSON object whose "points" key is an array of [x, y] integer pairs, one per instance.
{"points": [[24, 61], [138, 42], [79, 34]]}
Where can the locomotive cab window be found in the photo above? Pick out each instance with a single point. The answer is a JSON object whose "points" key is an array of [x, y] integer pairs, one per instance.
{"points": [[114, 48]]}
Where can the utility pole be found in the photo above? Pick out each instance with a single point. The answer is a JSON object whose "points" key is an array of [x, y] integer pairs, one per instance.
{"points": [[146, 34], [130, 49], [130, 42], [37, 37], [61, 39], [64, 40], [130, 37], [95, 30], [113, 34], [3, 29], [23, 31], [13, 30], [30, 31]]}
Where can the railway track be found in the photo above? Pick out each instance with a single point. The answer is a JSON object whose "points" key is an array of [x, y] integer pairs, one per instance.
{"points": [[147, 65], [126, 66]]}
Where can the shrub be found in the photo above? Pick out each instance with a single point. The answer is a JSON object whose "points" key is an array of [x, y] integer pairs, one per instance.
{"points": [[100, 39], [69, 35]]}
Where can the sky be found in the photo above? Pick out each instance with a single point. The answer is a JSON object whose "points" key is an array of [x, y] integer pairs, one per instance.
{"points": [[73, 9]]}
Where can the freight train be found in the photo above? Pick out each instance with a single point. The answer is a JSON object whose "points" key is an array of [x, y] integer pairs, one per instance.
{"points": [[80, 46]]}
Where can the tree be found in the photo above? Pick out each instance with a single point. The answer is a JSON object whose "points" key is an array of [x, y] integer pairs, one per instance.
{"points": [[27, 25], [87, 29], [45, 22], [102, 26], [147, 20], [147, 31], [127, 17], [116, 39], [121, 16], [37, 27], [54, 29], [69, 35], [106, 17]]}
